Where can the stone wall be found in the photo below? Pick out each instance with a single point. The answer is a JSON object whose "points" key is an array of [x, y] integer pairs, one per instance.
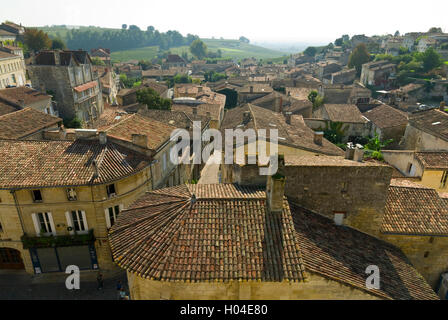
{"points": [[429, 255], [315, 287], [415, 139], [358, 191]]}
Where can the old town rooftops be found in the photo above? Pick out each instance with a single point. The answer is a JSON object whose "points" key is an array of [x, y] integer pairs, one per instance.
{"points": [[31, 164]]}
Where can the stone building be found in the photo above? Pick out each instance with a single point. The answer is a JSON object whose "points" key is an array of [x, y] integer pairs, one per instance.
{"points": [[102, 54], [69, 77], [428, 168], [377, 73], [426, 131], [196, 242], [59, 198], [12, 70], [282, 103], [22, 97]]}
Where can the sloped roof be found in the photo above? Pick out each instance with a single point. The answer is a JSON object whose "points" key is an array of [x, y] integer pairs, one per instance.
{"points": [[342, 254], [433, 160], [385, 116], [223, 233], [348, 113], [29, 164], [19, 124], [414, 210], [28, 95], [157, 132], [177, 119], [298, 135], [434, 122]]}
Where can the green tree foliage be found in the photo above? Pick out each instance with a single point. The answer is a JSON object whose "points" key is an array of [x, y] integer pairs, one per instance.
{"points": [[198, 49], [74, 123], [124, 26], [152, 99], [145, 64], [435, 30], [213, 76], [244, 39], [431, 59], [358, 57], [310, 51], [97, 62], [335, 133], [126, 38], [58, 44], [374, 147], [128, 82], [312, 96], [339, 42], [37, 40], [316, 99]]}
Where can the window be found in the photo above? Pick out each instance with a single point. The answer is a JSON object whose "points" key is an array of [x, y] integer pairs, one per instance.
{"points": [[77, 221], [444, 180], [164, 162], [339, 218], [426, 254], [37, 196], [111, 191], [43, 223], [410, 167], [112, 215], [71, 194], [1, 227]]}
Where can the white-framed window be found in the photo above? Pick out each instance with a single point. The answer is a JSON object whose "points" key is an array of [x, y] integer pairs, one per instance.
{"points": [[112, 214], [43, 224], [77, 222]]}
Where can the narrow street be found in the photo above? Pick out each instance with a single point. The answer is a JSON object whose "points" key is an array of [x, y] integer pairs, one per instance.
{"points": [[210, 173], [18, 285]]}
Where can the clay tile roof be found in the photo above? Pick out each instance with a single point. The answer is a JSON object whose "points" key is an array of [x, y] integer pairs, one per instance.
{"points": [[5, 55], [342, 254], [157, 132], [28, 95], [433, 160], [434, 122], [225, 234], [297, 135], [6, 108], [414, 210], [19, 124], [86, 86], [385, 116], [327, 161], [178, 119], [28, 164], [344, 113]]}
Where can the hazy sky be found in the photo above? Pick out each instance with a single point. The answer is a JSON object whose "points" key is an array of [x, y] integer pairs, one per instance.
{"points": [[260, 20]]}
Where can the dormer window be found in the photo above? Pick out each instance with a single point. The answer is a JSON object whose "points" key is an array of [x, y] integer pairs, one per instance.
{"points": [[111, 191], [37, 196], [71, 194]]}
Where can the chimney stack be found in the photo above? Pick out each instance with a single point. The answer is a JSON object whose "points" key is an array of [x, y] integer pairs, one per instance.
{"points": [[359, 153], [103, 137], [318, 137], [140, 140], [288, 116], [350, 151], [275, 188]]}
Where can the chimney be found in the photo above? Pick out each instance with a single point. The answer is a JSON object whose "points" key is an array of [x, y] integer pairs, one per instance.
{"points": [[318, 137], [275, 188], [103, 137], [359, 153], [350, 151], [288, 116], [140, 140], [442, 106]]}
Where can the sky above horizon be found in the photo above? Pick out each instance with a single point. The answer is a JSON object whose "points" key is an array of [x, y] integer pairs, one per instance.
{"points": [[260, 21]]}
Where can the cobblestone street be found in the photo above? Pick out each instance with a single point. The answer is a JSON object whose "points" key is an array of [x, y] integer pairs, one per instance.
{"points": [[18, 285]]}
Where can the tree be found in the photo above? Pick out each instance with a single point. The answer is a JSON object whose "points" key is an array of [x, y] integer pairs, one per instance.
{"points": [[310, 51], [198, 49], [316, 99], [124, 26], [431, 59], [358, 57], [312, 96], [435, 30], [145, 64], [397, 33], [339, 42], [58, 44], [375, 145], [334, 132], [74, 123], [244, 39], [97, 62], [37, 40], [152, 99]]}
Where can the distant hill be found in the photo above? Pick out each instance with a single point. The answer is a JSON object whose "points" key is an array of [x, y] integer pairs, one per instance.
{"points": [[234, 49]]}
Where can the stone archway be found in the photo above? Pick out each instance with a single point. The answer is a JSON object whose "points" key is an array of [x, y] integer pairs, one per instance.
{"points": [[11, 259]]}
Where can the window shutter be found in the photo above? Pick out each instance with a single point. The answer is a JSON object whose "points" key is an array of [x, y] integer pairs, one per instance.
{"points": [[69, 222], [36, 224], [106, 211], [85, 220], [51, 223]]}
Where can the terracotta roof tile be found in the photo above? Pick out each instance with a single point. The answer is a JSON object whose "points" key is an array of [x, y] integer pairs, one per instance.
{"points": [[385, 116], [29, 164], [433, 160], [434, 122], [344, 113]]}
